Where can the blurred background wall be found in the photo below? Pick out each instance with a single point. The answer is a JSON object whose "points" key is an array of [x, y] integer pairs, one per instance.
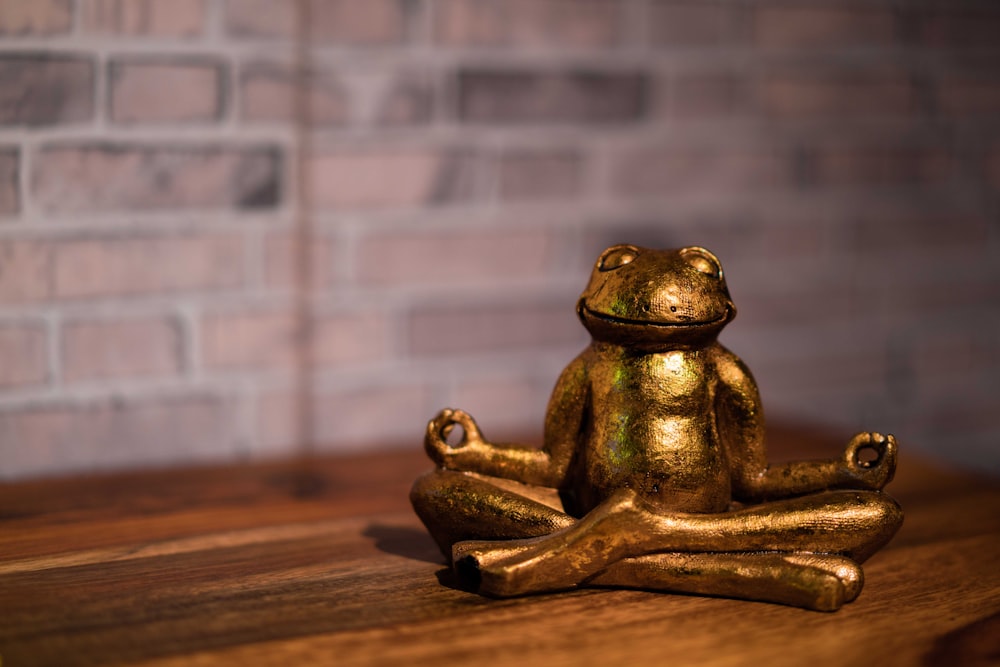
{"points": [[244, 228]]}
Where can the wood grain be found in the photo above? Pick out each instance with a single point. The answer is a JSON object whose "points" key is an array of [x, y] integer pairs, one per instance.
{"points": [[321, 562]]}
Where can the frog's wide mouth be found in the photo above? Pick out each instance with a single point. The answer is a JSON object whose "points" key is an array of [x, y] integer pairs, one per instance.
{"points": [[584, 309]]}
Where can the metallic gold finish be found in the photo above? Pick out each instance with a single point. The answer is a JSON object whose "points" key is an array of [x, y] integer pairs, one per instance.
{"points": [[653, 472]]}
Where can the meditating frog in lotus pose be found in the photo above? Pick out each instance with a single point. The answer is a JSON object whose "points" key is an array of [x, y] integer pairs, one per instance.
{"points": [[653, 472]]}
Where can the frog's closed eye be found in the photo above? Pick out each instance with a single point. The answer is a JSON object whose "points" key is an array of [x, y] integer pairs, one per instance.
{"points": [[702, 260], [617, 256]]}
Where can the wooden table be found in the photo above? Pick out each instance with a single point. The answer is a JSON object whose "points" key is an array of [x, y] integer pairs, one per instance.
{"points": [[322, 562]]}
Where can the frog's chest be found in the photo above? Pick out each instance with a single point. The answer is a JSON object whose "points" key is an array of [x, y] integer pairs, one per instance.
{"points": [[669, 384], [651, 427]]}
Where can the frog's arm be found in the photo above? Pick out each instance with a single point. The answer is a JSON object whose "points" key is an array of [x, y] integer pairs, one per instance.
{"points": [[546, 466], [741, 426]]}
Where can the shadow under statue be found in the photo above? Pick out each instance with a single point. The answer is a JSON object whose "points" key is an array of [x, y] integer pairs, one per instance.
{"points": [[653, 472]]}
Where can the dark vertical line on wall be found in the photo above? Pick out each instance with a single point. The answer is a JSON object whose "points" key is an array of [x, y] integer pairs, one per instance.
{"points": [[304, 234]]}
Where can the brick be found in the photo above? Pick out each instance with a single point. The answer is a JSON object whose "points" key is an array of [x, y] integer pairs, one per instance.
{"points": [[861, 93], [250, 340], [795, 305], [269, 339], [955, 28], [885, 231], [279, 427], [686, 170], [60, 439], [166, 91], [390, 177], [30, 18], [992, 167], [461, 330], [113, 266], [384, 97], [692, 24], [773, 233], [531, 23], [10, 169], [44, 89], [269, 93], [453, 257], [874, 166], [374, 22], [914, 287], [953, 351], [780, 349], [970, 94], [810, 27], [699, 95], [540, 174], [365, 415], [505, 408], [120, 348], [261, 18], [145, 18], [964, 425], [494, 96], [282, 265], [25, 271], [855, 373], [349, 338], [23, 348], [127, 177], [406, 98]]}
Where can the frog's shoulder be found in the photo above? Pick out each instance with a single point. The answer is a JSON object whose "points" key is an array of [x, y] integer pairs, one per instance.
{"points": [[578, 370], [729, 368]]}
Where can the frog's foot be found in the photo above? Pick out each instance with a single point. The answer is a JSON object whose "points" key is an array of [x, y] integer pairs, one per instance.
{"points": [[850, 524], [843, 568], [821, 582], [813, 581], [560, 560]]}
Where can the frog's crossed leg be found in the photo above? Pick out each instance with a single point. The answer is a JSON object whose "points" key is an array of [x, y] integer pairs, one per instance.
{"points": [[802, 551]]}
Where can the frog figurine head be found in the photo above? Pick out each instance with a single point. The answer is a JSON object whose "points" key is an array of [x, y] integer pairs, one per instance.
{"points": [[656, 299]]}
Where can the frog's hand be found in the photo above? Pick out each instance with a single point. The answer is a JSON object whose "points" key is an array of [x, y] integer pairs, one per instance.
{"points": [[870, 459], [474, 453], [441, 426]]}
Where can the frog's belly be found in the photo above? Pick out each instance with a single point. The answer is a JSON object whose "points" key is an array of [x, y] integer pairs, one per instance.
{"points": [[674, 461]]}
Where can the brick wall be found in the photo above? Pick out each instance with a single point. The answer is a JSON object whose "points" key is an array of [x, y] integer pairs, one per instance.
{"points": [[235, 228]]}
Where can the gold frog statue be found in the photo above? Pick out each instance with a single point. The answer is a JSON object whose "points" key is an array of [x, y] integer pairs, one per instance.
{"points": [[653, 472]]}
